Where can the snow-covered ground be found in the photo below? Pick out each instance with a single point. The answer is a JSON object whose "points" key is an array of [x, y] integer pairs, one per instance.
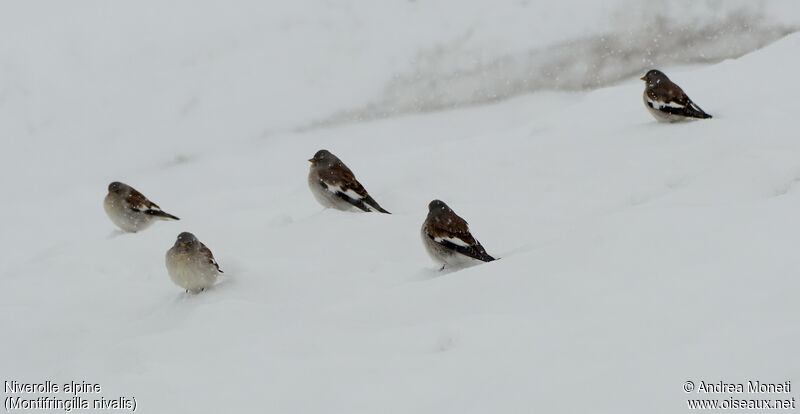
{"points": [[635, 255]]}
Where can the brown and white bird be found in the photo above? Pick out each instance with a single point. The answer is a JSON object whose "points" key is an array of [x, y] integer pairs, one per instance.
{"points": [[335, 186], [447, 238], [130, 209], [666, 101], [191, 265]]}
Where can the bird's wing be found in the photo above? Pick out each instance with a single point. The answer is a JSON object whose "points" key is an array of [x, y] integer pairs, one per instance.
{"points": [[137, 201], [452, 232], [674, 101], [342, 182], [206, 252]]}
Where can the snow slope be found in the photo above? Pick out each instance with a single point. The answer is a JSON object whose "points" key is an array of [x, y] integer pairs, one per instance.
{"points": [[635, 255]]}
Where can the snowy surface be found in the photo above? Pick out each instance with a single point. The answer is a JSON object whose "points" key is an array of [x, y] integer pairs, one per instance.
{"points": [[634, 255]]}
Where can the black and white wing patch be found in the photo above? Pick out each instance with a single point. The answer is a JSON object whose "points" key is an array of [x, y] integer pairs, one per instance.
{"points": [[683, 107], [471, 248], [138, 202], [363, 202]]}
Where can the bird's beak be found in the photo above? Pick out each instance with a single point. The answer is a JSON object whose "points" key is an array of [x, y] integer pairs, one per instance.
{"points": [[642, 78], [312, 161], [183, 245]]}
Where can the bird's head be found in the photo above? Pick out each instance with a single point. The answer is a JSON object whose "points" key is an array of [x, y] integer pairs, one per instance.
{"points": [[117, 187], [654, 77], [437, 207], [186, 241], [323, 157]]}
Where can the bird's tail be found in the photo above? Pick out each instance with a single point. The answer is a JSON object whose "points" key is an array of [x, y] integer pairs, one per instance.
{"points": [[374, 204], [476, 252], [695, 111], [161, 214]]}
